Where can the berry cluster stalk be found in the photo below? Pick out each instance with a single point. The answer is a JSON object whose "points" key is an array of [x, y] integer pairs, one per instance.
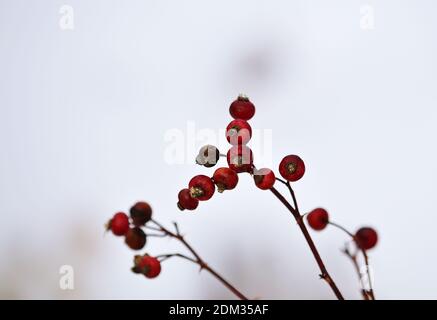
{"points": [[198, 260], [299, 219], [367, 295]]}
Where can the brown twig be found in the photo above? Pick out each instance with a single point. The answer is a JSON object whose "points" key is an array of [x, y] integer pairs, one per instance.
{"points": [[198, 260], [294, 211], [354, 260], [367, 294]]}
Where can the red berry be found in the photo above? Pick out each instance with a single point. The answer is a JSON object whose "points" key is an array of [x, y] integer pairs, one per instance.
{"points": [[119, 224], [242, 108], [292, 168], [186, 201], [208, 156], [238, 132], [366, 238], [141, 213], [225, 179], [240, 159], [147, 265], [201, 187], [264, 178], [318, 219], [135, 238]]}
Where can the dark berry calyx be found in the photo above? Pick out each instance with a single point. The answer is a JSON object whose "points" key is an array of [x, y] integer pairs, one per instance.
{"points": [[180, 206], [136, 268], [139, 266], [147, 265], [291, 167], [220, 187], [201, 187], [242, 97], [196, 192]]}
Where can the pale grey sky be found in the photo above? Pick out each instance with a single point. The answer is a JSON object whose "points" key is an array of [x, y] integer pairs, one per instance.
{"points": [[84, 112]]}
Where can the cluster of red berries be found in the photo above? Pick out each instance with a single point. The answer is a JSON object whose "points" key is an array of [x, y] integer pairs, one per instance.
{"points": [[239, 158], [202, 188], [366, 238], [135, 237]]}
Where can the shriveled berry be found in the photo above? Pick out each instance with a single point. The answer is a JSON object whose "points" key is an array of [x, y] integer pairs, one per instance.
{"points": [[141, 213], [225, 179], [240, 159], [186, 201], [119, 224], [366, 238], [135, 238], [292, 168], [318, 219], [238, 132], [242, 108], [264, 178], [208, 156], [147, 265], [201, 187]]}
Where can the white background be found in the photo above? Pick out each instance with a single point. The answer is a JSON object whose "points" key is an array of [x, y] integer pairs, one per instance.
{"points": [[83, 114]]}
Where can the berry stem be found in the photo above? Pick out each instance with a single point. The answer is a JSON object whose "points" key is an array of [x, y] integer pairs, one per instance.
{"points": [[156, 235], [293, 195], [367, 294], [198, 260], [163, 257], [152, 228], [324, 272], [354, 260]]}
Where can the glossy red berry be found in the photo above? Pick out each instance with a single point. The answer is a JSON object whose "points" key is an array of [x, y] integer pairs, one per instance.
{"points": [[141, 213], [242, 108], [238, 132], [264, 178], [318, 219], [240, 159], [135, 238], [292, 168], [201, 187], [147, 265], [119, 224], [366, 238], [186, 201], [225, 179], [208, 156]]}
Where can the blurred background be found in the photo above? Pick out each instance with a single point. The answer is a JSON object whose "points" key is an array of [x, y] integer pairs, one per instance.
{"points": [[89, 90]]}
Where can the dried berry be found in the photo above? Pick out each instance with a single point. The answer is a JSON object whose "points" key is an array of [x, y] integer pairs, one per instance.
{"points": [[135, 238]]}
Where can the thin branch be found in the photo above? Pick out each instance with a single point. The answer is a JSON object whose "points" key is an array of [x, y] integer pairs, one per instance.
{"points": [[353, 257], [152, 228], [350, 234], [293, 196], [163, 257], [160, 235], [281, 181], [199, 260], [324, 272], [176, 228]]}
